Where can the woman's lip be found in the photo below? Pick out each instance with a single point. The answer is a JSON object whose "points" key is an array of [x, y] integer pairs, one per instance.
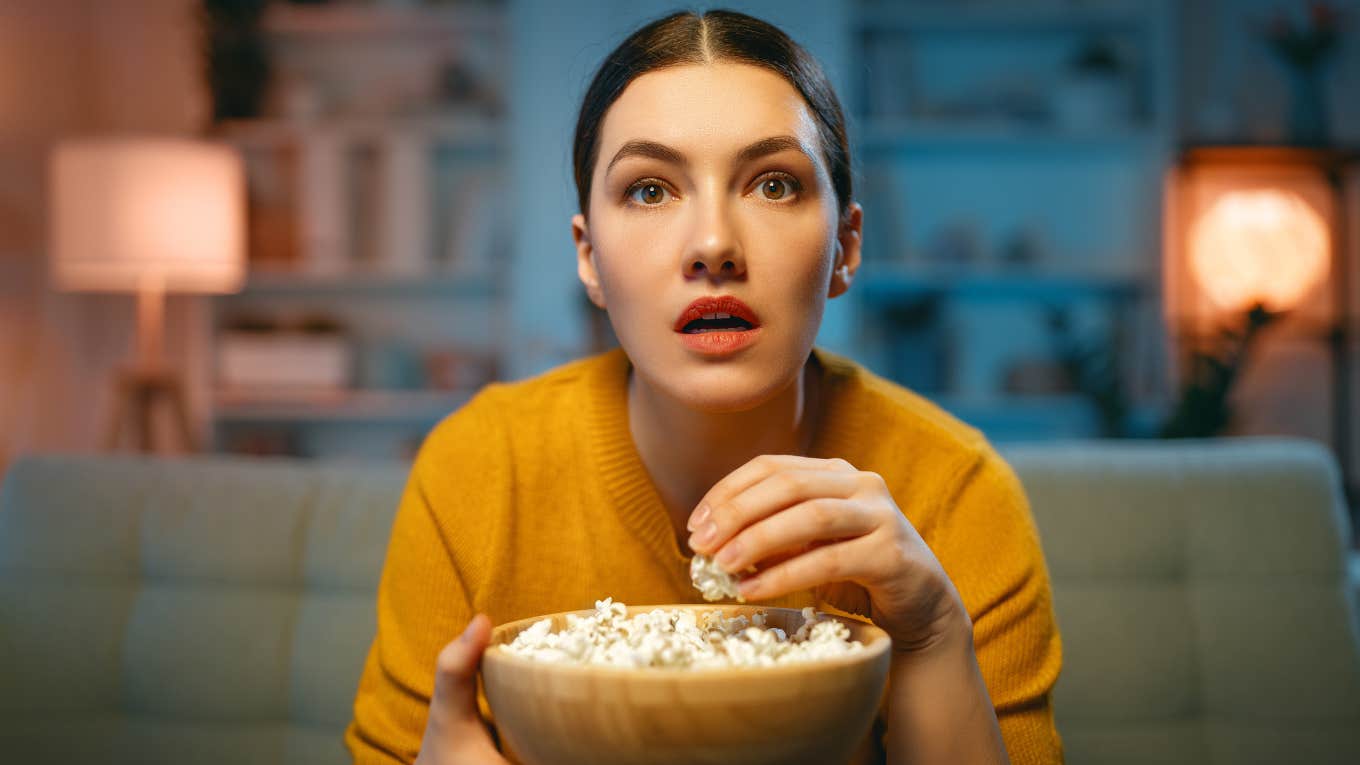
{"points": [[719, 304], [719, 343]]}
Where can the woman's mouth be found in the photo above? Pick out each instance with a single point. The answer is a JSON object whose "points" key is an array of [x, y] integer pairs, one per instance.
{"points": [[716, 322], [717, 325]]}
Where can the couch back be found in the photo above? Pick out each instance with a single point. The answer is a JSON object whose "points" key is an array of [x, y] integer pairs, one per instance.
{"points": [[218, 610], [1202, 594], [186, 611]]}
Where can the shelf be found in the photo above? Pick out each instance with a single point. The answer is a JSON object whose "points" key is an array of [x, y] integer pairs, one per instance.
{"points": [[340, 406], [351, 20], [285, 283], [1007, 17], [470, 132], [1049, 404], [890, 285], [881, 135]]}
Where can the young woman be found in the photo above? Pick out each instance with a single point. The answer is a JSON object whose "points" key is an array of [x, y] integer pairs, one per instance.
{"points": [[716, 219]]}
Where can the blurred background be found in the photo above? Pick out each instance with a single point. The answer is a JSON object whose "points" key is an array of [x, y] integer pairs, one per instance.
{"points": [[1084, 218]]}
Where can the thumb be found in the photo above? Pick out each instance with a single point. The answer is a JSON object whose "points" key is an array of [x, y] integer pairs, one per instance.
{"points": [[455, 683]]}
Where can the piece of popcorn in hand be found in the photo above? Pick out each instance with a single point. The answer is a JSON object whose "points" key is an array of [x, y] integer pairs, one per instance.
{"points": [[711, 581]]}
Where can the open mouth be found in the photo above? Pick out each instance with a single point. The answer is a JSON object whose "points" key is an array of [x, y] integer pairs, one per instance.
{"points": [[716, 322], [721, 313]]}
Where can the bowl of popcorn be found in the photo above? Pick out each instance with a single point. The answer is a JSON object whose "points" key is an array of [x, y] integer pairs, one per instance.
{"points": [[686, 684]]}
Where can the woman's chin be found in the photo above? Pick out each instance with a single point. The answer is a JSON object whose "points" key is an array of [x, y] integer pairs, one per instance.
{"points": [[724, 389]]}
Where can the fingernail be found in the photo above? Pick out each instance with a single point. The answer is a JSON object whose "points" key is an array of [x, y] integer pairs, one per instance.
{"points": [[704, 535], [697, 519]]}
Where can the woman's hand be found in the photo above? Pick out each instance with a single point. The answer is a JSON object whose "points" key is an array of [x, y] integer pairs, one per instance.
{"points": [[813, 523], [454, 732]]}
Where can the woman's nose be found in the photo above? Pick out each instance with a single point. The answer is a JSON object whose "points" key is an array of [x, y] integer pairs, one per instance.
{"points": [[715, 250]]}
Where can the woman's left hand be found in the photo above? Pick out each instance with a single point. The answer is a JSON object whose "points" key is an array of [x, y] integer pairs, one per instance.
{"points": [[814, 523]]}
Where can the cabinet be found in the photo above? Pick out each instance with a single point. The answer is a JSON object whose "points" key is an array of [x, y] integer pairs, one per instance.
{"points": [[1011, 168], [376, 301]]}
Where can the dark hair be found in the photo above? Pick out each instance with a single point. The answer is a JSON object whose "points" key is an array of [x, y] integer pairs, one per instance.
{"points": [[687, 37]]}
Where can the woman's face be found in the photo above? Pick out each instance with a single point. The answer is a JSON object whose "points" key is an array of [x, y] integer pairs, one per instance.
{"points": [[711, 183]]}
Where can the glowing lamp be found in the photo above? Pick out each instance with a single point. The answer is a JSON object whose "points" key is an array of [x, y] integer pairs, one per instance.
{"points": [[1265, 246], [147, 216]]}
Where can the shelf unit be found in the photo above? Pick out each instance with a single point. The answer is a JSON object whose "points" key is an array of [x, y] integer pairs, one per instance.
{"points": [[369, 216], [967, 146]]}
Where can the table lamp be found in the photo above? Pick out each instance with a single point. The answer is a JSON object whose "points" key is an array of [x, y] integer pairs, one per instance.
{"points": [[147, 216], [1258, 232]]}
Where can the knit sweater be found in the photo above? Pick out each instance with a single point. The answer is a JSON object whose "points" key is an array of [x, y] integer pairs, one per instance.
{"points": [[532, 499]]}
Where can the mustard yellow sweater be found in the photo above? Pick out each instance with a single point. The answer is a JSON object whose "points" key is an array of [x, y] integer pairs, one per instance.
{"points": [[532, 499]]}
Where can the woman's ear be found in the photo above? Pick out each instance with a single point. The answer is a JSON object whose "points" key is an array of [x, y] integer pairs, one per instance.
{"points": [[847, 250], [585, 260]]}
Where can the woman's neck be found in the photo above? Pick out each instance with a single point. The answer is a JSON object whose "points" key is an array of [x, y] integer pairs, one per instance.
{"points": [[687, 452]]}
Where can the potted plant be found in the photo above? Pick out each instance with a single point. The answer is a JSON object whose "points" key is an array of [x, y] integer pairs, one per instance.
{"points": [[1093, 92]]}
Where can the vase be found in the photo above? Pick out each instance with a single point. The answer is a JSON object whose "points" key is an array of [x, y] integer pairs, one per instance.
{"points": [[1307, 106]]}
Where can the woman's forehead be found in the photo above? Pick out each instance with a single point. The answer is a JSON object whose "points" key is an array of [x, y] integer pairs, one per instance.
{"points": [[707, 110]]}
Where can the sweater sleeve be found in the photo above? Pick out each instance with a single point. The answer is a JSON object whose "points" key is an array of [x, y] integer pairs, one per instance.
{"points": [[425, 592], [989, 546]]}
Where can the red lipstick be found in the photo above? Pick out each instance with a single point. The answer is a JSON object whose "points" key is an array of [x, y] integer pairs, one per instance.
{"points": [[717, 326]]}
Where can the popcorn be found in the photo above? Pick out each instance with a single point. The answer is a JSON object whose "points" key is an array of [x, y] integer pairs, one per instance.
{"points": [[681, 639], [711, 581]]}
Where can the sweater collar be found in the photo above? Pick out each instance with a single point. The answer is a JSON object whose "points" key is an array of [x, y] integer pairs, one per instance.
{"points": [[627, 483]]}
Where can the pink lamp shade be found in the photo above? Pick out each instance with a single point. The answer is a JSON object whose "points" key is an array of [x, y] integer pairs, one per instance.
{"points": [[139, 214]]}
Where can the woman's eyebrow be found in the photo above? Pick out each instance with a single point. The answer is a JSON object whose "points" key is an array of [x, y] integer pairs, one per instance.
{"points": [[660, 151]]}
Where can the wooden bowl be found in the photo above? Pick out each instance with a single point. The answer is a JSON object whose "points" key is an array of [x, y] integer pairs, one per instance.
{"points": [[817, 712]]}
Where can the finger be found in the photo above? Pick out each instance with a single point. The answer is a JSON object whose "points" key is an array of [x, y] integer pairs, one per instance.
{"points": [[778, 491], [455, 689], [755, 470], [818, 520], [840, 562]]}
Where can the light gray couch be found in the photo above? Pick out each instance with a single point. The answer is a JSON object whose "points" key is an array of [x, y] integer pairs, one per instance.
{"points": [[218, 610]]}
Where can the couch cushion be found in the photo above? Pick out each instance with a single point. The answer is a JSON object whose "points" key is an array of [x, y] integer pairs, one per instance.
{"points": [[1201, 594], [190, 610]]}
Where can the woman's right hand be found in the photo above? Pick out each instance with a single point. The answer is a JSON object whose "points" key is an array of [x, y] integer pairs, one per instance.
{"points": [[454, 732]]}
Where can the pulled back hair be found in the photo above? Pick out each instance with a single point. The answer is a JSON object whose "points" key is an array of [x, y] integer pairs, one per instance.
{"points": [[689, 37]]}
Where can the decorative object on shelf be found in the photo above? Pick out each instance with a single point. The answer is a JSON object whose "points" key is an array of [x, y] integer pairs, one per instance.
{"points": [[1024, 248], [917, 344], [1092, 367], [1305, 50], [1093, 92], [259, 357], [402, 214], [390, 61], [1037, 377], [956, 245], [885, 219], [460, 369], [147, 216], [391, 363], [323, 204], [479, 224], [237, 60]]}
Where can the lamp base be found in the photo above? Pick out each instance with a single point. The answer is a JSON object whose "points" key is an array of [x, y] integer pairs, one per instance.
{"points": [[138, 391]]}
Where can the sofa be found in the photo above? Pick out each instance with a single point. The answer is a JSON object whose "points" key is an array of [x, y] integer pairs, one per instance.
{"points": [[218, 610]]}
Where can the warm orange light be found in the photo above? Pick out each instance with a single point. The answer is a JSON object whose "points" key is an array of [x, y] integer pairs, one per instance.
{"points": [[1263, 246]]}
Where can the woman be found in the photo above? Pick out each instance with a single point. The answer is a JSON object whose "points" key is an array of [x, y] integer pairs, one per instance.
{"points": [[716, 219]]}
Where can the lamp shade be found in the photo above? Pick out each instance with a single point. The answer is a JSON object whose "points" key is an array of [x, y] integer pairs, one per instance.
{"points": [[1263, 245], [129, 214]]}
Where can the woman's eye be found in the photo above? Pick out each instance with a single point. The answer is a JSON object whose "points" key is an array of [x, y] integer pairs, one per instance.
{"points": [[649, 194], [778, 187]]}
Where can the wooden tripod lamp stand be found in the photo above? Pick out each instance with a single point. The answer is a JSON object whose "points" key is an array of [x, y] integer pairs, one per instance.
{"points": [[147, 216]]}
